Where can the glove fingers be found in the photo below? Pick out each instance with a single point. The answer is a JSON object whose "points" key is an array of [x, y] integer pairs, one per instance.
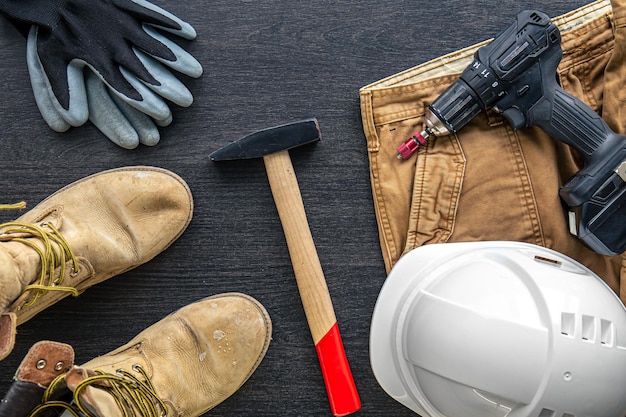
{"points": [[184, 63], [77, 112], [105, 115], [145, 127], [164, 122], [49, 114], [168, 87], [186, 31], [151, 103], [44, 102], [58, 118]]}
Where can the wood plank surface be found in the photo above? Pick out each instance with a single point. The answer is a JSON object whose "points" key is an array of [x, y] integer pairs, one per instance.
{"points": [[265, 63]]}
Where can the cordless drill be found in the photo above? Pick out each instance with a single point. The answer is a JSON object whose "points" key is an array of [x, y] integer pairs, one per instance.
{"points": [[515, 74]]}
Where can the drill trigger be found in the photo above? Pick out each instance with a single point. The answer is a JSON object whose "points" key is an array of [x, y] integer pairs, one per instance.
{"points": [[515, 117]]}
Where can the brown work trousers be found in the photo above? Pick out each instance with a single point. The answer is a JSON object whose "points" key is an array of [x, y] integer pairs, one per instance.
{"points": [[488, 182]]}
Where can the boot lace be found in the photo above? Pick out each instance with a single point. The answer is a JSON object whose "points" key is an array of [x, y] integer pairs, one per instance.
{"points": [[16, 206], [51, 258], [135, 396]]}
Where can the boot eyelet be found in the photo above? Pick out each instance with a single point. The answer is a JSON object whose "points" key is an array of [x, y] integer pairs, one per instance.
{"points": [[137, 368], [41, 363], [74, 272], [59, 365]]}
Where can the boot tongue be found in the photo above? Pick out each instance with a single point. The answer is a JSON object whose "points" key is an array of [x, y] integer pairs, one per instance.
{"points": [[96, 399], [21, 264]]}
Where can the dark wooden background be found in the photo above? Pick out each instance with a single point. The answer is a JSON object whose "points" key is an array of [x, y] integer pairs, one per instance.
{"points": [[265, 63]]}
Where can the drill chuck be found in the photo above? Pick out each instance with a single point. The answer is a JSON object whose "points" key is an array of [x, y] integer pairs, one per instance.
{"points": [[455, 107], [448, 113], [476, 89]]}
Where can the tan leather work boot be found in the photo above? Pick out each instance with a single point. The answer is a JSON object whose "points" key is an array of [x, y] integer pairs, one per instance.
{"points": [[83, 234], [182, 366]]}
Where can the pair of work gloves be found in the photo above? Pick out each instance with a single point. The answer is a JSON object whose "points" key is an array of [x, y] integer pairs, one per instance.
{"points": [[107, 61]]}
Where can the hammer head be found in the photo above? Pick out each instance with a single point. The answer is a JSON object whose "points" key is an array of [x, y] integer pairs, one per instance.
{"points": [[268, 141]]}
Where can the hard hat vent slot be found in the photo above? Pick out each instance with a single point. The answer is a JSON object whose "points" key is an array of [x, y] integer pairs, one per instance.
{"points": [[607, 333], [568, 325], [591, 329]]}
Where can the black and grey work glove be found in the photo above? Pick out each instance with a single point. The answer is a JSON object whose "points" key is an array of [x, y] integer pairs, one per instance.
{"points": [[123, 44]]}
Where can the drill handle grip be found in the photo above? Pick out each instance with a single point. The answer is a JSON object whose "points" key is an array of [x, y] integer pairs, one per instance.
{"points": [[576, 124]]}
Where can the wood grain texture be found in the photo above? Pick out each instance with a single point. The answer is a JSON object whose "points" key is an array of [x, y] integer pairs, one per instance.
{"points": [[266, 62], [318, 306]]}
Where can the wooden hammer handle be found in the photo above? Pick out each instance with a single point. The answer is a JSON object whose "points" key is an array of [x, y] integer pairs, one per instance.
{"points": [[316, 300], [312, 286]]}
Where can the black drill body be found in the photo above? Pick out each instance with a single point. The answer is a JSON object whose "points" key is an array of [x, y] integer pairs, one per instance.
{"points": [[515, 74]]}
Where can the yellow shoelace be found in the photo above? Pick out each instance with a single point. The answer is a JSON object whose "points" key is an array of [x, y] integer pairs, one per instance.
{"points": [[16, 206], [135, 397], [51, 258]]}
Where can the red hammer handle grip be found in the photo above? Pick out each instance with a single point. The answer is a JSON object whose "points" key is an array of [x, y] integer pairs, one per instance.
{"points": [[342, 393], [312, 286]]}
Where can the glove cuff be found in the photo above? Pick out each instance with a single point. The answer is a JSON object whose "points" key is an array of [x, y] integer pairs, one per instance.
{"points": [[25, 13]]}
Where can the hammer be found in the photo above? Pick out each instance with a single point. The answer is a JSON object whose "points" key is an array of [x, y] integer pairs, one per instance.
{"points": [[273, 145]]}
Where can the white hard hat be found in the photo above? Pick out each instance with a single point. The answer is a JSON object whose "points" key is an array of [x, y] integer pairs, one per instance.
{"points": [[495, 329]]}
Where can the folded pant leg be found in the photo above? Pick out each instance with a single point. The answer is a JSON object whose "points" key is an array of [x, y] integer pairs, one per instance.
{"points": [[487, 182]]}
